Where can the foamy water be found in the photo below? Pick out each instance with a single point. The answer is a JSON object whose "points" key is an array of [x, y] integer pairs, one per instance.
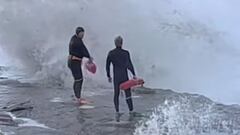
{"points": [[185, 45], [186, 118], [26, 122], [187, 49]]}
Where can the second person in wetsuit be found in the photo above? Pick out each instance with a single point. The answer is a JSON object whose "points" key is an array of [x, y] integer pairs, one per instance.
{"points": [[121, 61], [77, 50]]}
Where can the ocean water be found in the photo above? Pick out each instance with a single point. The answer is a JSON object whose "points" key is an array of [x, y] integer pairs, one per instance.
{"points": [[188, 46]]}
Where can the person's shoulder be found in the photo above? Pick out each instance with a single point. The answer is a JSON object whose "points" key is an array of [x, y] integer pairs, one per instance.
{"points": [[72, 40], [111, 51], [125, 51], [74, 37]]}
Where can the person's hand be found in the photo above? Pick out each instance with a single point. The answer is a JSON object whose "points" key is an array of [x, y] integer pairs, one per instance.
{"points": [[109, 79], [90, 60], [134, 77]]}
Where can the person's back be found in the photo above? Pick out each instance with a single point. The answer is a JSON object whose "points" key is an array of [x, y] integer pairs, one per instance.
{"points": [[121, 63]]}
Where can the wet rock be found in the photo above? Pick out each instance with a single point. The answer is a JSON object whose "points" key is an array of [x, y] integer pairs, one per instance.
{"points": [[7, 120], [18, 107], [21, 109]]}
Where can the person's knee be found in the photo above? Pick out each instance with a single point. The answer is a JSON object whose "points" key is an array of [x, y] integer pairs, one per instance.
{"points": [[78, 80], [78, 83], [116, 91], [116, 96], [128, 98], [128, 93]]}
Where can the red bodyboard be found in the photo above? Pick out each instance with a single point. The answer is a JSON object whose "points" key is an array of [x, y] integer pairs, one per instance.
{"points": [[131, 83], [91, 67]]}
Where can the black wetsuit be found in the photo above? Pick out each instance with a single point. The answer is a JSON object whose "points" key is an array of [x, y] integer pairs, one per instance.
{"points": [[121, 63], [78, 49]]}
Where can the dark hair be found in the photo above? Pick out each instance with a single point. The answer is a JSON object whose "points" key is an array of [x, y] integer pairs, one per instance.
{"points": [[79, 29], [118, 41]]}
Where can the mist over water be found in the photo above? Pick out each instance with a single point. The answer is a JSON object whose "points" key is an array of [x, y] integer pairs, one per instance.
{"points": [[188, 46]]}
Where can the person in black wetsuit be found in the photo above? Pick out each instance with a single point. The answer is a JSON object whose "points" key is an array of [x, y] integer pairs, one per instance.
{"points": [[77, 50], [121, 62]]}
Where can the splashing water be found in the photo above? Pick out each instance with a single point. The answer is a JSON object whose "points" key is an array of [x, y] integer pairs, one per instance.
{"points": [[186, 117], [188, 48]]}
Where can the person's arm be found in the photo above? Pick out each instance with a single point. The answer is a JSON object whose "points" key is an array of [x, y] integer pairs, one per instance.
{"points": [[85, 52], [130, 66], [108, 63]]}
